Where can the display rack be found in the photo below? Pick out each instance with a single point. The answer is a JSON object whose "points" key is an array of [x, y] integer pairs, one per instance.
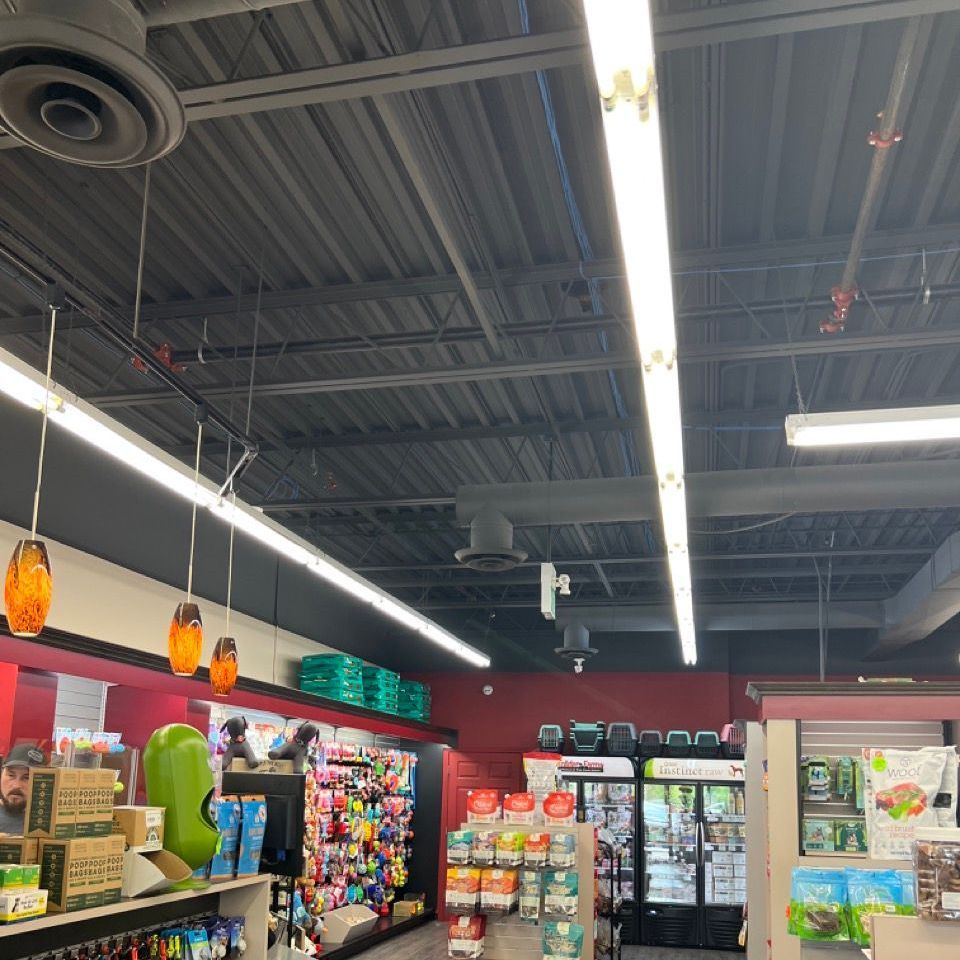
{"points": [[247, 897], [510, 938], [616, 901]]}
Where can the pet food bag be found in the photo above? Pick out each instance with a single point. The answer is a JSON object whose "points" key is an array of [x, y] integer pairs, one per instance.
{"points": [[559, 808], [499, 890], [460, 846], [936, 861], [483, 806], [870, 892], [901, 795], [510, 849], [485, 847], [945, 806], [562, 940], [563, 850], [463, 890], [818, 905], [465, 937], [530, 895], [519, 808], [536, 846], [560, 894]]}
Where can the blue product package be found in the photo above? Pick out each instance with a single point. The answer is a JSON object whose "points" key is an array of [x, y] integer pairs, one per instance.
{"points": [[870, 892], [818, 905], [253, 822], [223, 866]]}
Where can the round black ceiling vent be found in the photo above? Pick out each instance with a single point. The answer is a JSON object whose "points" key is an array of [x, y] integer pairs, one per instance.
{"points": [[75, 84]]}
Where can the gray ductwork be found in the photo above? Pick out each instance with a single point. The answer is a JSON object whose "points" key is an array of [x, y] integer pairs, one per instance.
{"points": [[726, 493], [163, 13], [576, 642], [491, 543]]}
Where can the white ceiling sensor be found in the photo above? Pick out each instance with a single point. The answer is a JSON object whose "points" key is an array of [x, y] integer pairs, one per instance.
{"points": [[856, 428]]}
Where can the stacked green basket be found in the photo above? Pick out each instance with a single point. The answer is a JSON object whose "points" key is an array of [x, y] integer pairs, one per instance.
{"points": [[380, 688], [333, 675], [413, 701]]}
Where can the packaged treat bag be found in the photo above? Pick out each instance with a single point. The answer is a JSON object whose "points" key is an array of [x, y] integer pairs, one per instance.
{"points": [[818, 905], [945, 806], [519, 808], [562, 940], [510, 849], [559, 808], [870, 892], [485, 847], [463, 890], [901, 794], [560, 894], [530, 895], [499, 890], [483, 806], [536, 846], [563, 850], [465, 937], [936, 861], [460, 846]]}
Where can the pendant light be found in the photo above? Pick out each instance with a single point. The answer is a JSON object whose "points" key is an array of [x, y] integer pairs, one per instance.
{"points": [[224, 664], [28, 586], [185, 639]]}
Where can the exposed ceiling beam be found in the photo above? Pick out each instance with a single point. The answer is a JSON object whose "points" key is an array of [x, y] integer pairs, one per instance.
{"points": [[733, 351]]}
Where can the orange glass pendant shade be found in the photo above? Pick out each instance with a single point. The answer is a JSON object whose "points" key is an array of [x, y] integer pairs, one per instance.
{"points": [[185, 641], [223, 667], [28, 588]]}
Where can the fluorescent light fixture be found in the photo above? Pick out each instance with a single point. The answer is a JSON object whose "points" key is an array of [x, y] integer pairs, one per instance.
{"points": [[906, 425], [621, 43], [24, 384]]}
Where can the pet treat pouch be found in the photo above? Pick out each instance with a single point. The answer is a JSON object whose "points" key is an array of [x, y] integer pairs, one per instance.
{"points": [[562, 940], [563, 850], [519, 808], [459, 846], [485, 847], [483, 806], [560, 894], [818, 905]]}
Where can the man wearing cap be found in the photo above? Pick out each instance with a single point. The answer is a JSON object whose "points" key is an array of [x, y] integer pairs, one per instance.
{"points": [[14, 781]]}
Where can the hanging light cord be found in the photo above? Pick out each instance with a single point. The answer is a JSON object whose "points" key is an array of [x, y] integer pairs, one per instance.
{"points": [[233, 528], [43, 428], [193, 521]]}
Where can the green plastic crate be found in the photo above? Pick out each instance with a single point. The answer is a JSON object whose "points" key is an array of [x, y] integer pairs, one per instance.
{"points": [[331, 660]]}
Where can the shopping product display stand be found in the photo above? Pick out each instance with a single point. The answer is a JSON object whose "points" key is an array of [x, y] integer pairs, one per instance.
{"points": [[247, 897]]}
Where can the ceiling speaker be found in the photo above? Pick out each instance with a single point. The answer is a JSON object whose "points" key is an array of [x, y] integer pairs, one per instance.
{"points": [[75, 84]]}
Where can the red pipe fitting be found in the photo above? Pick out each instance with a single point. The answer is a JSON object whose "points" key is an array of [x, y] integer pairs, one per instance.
{"points": [[842, 299], [876, 139], [164, 353]]}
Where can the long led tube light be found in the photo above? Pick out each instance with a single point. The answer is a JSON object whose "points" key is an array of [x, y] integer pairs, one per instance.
{"points": [[855, 428], [25, 385], [621, 43]]}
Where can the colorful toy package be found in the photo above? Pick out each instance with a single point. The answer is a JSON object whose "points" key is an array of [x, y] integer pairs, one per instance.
{"points": [[519, 808], [483, 806], [499, 890], [818, 905], [460, 846], [530, 895], [465, 937], [560, 894], [870, 892], [563, 850], [510, 849], [463, 890], [562, 940], [818, 834], [536, 846], [485, 847], [901, 795]]}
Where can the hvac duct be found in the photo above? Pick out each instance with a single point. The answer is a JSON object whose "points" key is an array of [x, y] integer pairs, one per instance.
{"points": [[163, 13], [491, 543], [729, 493]]}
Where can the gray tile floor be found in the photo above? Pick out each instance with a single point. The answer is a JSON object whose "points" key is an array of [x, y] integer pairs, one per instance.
{"points": [[429, 943]]}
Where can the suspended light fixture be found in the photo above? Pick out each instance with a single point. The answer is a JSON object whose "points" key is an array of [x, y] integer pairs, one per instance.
{"points": [[621, 44], [28, 586], [185, 639], [25, 385], [859, 427], [225, 664]]}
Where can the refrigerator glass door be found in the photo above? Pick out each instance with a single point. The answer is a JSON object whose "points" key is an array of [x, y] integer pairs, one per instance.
{"points": [[725, 845], [670, 843], [613, 805]]}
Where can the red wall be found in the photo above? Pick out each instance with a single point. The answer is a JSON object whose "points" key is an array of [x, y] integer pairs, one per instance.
{"points": [[8, 689], [510, 717]]}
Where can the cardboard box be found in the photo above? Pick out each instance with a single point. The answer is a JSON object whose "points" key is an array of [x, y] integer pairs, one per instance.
{"points": [[239, 765], [253, 822], [75, 871], [412, 905], [141, 826], [223, 866], [22, 905], [18, 849], [94, 816], [151, 872], [52, 802]]}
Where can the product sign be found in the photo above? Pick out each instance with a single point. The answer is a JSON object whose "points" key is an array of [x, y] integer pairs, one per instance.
{"points": [[584, 768], [663, 768]]}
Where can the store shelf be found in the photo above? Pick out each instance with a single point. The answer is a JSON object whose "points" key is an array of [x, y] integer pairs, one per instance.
{"points": [[861, 861]]}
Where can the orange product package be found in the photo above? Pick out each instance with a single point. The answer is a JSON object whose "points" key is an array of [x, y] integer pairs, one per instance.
{"points": [[463, 889], [559, 808], [499, 889], [483, 806], [519, 808], [535, 849]]}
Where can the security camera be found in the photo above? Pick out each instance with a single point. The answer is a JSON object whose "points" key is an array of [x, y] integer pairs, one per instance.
{"points": [[578, 664], [562, 583]]}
